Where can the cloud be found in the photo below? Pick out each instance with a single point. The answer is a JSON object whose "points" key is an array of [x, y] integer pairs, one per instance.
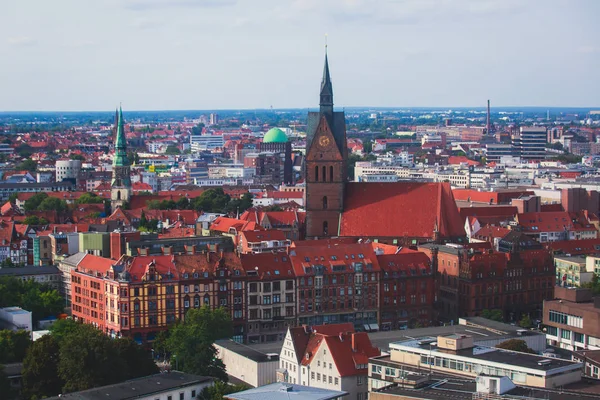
{"points": [[80, 43], [143, 5], [21, 41], [588, 49], [146, 23]]}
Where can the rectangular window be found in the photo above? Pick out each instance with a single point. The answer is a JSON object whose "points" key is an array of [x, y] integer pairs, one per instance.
{"points": [[181, 396]]}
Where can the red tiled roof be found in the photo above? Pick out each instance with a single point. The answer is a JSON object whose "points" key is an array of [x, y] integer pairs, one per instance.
{"points": [[224, 224], [370, 208], [329, 256], [7, 230], [489, 232], [414, 260], [6, 208], [301, 335], [507, 211], [575, 247], [551, 207], [461, 159], [96, 264], [264, 235], [267, 266], [545, 221]]}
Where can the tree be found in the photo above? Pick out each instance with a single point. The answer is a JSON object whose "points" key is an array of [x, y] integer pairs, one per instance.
{"points": [[27, 165], [77, 157], [138, 362], [191, 341], [219, 390], [32, 203], [40, 299], [5, 387], [494, 315], [35, 220], [13, 345], [89, 198], [13, 197], [172, 150], [40, 369], [212, 200], [53, 203], [525, 322], [88, 359], [516, 345]]}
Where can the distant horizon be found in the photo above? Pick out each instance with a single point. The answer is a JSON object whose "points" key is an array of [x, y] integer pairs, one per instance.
{"points": [[357, 108]]}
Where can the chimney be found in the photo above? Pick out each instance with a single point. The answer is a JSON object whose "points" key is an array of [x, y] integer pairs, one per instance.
{"points": [[341, 336], [354, 342], [488, 125]]}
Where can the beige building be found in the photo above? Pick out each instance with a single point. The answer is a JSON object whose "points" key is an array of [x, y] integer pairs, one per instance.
{"points": [[246, 364]]}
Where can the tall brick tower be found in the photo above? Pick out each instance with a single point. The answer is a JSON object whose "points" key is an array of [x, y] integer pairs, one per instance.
{"points": [[326, 160]]}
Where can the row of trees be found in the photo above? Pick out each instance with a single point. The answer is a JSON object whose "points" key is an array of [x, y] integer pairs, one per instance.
{"points": [[40, 299], [498, 315], [76, 357], [212, 200], [43, 202]]}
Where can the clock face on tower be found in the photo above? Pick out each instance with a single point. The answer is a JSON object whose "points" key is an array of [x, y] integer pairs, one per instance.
{"points": [[324, 141]]}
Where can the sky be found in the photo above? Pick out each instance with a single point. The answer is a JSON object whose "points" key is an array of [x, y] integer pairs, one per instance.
{"points": [[91, 55]]}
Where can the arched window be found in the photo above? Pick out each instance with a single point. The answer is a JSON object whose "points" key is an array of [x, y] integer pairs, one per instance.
{"points": [[119, 195], [324, 202], [325, 228], [331, 173], [316, 174], [324, 176]]}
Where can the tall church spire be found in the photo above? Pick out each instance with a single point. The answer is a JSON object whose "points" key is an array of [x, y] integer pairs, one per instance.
{"points": [[326, 102], [120, 141]]}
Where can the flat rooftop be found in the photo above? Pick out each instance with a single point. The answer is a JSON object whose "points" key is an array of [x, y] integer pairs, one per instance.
{"points": [[480, 328], [490, 354], [285, 391], [451, 388], [250, 352], [138, 388]]}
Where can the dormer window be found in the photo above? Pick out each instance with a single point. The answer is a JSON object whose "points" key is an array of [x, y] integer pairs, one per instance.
{"points": [[195, 275]]}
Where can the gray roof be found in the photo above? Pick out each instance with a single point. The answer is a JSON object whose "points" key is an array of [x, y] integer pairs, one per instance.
{"points": [[138, 388], [286, 391], [248, 352], [481, 329], [75, 259], [30, 270]]}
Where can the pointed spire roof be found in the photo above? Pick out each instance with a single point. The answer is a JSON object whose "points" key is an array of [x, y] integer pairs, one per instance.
{"points": [[120, 141], [326, 102]]}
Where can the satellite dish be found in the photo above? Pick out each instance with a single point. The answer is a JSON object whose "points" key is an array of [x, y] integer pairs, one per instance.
{"points": [[477, 368]]}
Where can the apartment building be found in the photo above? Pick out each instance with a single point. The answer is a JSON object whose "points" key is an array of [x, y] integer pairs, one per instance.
{"points": [[336, 283], [271, 296]]}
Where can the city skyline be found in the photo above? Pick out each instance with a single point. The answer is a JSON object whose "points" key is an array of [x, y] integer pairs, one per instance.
{"points": [[206, 54]]}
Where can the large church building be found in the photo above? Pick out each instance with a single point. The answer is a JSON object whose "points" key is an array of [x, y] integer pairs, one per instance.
{"points": [[402, 213]]}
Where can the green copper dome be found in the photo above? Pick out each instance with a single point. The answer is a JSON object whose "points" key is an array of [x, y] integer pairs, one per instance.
{"points": [[275, 135]]}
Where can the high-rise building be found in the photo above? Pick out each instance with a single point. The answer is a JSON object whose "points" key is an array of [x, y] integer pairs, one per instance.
{"points": [[326, 161], [530, 143], [67, 169], [214, 119], [121, 170]]}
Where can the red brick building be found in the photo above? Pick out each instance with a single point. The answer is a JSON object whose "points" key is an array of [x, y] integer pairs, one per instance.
{"points": [[472, 279], [406, 290], [336, 282]]}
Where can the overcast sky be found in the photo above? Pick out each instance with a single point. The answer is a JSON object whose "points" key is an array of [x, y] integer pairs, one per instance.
{"points": [[215, 54]]}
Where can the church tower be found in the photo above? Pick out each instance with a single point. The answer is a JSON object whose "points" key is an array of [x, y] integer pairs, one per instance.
{"points": [[326, 163], [121, 171]]}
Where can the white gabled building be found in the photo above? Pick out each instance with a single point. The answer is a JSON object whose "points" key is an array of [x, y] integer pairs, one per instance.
{"points": [[329, 357]]}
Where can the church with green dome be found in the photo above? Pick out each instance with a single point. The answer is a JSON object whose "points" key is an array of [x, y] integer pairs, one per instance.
{"points": [[276, 141], [275, 135]]}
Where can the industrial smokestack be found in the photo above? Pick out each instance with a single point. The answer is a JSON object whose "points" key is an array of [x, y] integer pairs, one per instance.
{"points": [[488, 126]]}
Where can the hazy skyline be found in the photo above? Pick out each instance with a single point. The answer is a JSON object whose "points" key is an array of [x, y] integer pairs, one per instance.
{"points": [[71, 55]]}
